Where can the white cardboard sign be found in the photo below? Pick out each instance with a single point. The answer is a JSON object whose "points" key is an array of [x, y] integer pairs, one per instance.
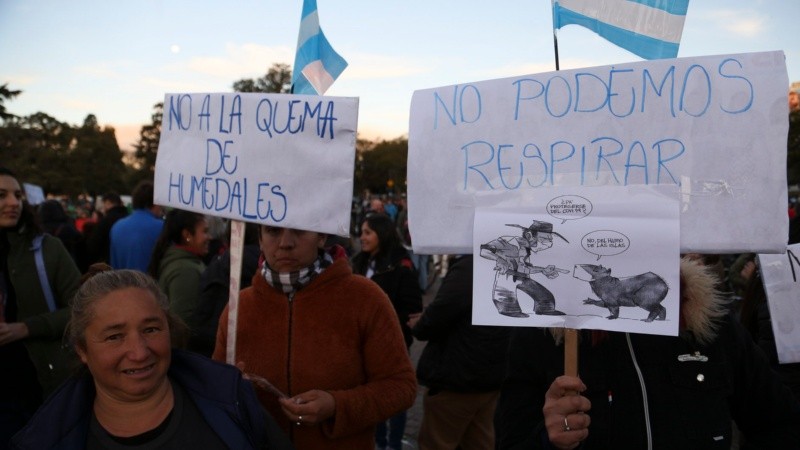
{"points": [[716, 126], [580, 257], [781, 277], [278, 159], [33, 193]]}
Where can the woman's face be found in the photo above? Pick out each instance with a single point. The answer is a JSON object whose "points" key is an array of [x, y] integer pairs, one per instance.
{"points": [[10, 201], [289, 249], [127, 345], [199, 238], [369, 239]]}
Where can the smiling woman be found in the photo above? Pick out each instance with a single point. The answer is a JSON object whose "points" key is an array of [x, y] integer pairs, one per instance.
{"points": [[138, 390]]}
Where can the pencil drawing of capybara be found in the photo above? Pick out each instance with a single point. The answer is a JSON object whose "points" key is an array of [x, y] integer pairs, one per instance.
{"points": [[646, 290]]}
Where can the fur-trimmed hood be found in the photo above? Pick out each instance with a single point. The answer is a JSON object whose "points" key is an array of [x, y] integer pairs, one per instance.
{"points": [[702, 305]]}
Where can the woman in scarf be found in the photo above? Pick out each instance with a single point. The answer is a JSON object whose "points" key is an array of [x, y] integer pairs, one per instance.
{"points": [[327, 343]]}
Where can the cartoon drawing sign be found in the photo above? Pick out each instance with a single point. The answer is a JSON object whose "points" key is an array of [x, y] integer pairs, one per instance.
{"points": [[781, 277], [591, 257], [714, 125]]}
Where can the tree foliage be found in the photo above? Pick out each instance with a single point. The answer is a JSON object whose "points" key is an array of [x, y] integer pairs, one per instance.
{"points": [[62, 158], [277, 80], [147, 147], [95, 147], [6, 94], [381, 167]]}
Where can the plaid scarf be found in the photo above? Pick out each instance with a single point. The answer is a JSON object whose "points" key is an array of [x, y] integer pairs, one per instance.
{"points": [[290, 282]]}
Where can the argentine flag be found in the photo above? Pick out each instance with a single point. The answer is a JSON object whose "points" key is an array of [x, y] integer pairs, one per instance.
{"points": [[316, 64], [648, 28]]}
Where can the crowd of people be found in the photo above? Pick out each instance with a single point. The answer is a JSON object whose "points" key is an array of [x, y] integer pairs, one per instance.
{"points": [[113, 334]]}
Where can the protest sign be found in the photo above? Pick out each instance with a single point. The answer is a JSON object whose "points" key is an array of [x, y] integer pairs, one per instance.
{"points": [[715, 126], [277, 159], [781, 277], [580, 257], [33, 193]]}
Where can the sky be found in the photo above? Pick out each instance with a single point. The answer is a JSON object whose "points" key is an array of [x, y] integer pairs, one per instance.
{"points": [[117, 59]]}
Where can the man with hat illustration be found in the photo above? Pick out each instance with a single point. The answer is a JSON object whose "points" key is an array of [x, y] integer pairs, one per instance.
{"points": [[512, 259]]}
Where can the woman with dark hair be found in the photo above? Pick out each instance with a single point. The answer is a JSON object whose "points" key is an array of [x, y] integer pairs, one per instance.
{"points": [[177, 261], [136, 390], [385, 261], [33, 361]]}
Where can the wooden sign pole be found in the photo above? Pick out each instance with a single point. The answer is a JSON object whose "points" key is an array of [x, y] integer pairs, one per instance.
{"points": [[571, 353], [236, 251]]}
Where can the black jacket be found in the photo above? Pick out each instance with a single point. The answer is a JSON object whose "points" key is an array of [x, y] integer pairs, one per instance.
{"points": [[459, 356], [690, 403], [214, 295], [395, 274], [99, 242]]}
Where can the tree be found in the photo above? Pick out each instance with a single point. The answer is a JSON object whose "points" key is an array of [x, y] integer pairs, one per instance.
{"points": [[381, 167], [6, 94], [61, 158], [94, 148], [39, 148], [147, 147], [277, 80]]}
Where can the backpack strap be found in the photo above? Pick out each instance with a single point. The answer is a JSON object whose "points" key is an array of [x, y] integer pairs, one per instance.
{"points": [[40, 269]]}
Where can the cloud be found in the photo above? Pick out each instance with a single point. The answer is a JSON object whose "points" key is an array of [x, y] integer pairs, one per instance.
{"points": [[740, 22], [176, 85], [512, 70], [110, 70], [370, 66], [20, 80], [247, 60], [76, 103]]}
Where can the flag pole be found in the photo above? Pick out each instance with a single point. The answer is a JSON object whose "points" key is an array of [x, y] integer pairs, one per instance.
{"points": [[555, 29], [555, 45]]}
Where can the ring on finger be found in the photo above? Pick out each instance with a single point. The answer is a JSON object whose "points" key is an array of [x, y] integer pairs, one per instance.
{"points": [[566, 425], [299, 421]]}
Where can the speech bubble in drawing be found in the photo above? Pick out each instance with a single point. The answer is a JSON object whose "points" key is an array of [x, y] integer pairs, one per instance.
{"points": [[569, 207], [605, 243]]}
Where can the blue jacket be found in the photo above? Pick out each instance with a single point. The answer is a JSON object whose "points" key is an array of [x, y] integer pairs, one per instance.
{"points": [[226, 401], [133, 238]]}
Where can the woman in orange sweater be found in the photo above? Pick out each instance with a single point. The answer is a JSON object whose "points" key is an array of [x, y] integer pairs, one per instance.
{"points": [[327, 339]]}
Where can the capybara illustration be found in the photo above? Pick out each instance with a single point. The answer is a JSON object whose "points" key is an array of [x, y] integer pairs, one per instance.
{"points": [[646, 290]]}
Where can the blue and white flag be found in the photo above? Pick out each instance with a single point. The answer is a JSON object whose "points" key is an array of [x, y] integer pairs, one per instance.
{"points": [[648, 28], [316, 64]]}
